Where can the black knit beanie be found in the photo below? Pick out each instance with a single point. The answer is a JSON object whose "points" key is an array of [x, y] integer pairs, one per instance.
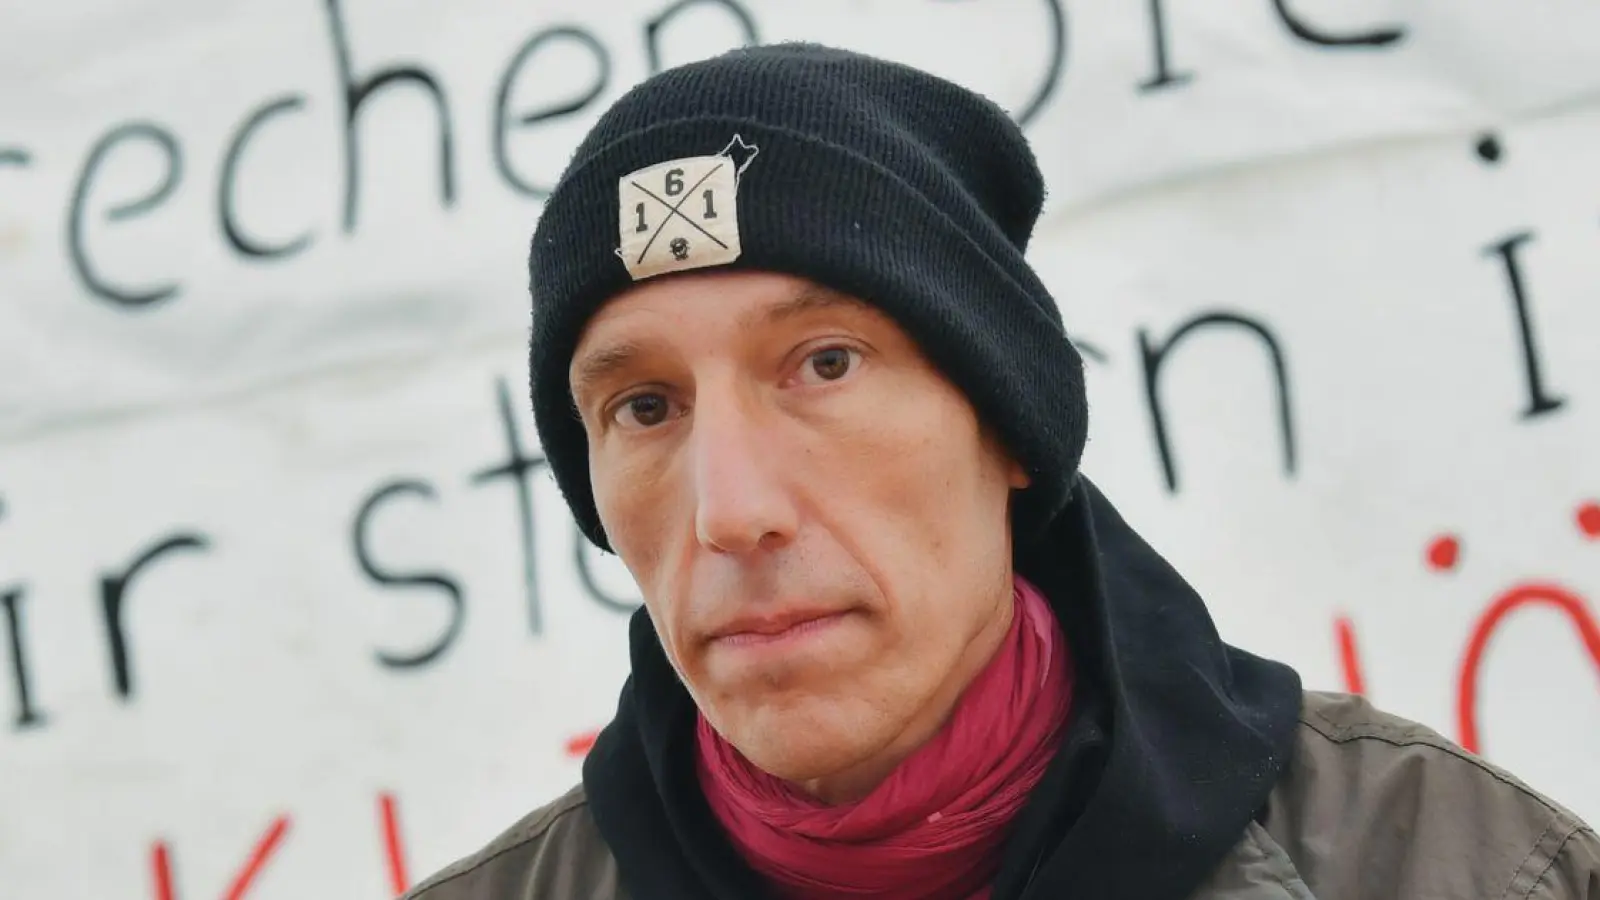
{"points": [[872, 178]]}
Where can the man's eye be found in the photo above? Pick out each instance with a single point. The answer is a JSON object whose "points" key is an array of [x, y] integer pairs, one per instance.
{"points": [[644, 410], [829, 363]]}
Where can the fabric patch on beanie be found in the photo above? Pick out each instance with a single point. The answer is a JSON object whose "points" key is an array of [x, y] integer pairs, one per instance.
{"points": [[683, 213]]}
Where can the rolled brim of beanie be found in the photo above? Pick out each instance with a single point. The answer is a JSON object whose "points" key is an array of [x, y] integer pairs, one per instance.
{"points": [[816, 210]]}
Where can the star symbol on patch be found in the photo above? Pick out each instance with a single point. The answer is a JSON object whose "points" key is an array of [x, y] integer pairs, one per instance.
{"points": [[740, 152]]}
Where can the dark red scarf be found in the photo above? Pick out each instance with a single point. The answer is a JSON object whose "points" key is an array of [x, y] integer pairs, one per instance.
{"points": [[933, 830]]}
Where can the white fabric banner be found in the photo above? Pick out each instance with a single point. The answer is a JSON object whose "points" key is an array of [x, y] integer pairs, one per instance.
{"points": [[289, 606]]}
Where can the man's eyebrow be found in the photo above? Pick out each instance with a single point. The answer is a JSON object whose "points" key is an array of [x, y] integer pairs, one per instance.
{"points": [[598, 365]]}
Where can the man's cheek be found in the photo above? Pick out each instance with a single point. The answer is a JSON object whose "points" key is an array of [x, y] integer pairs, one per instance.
{"points": [[636, 498]]}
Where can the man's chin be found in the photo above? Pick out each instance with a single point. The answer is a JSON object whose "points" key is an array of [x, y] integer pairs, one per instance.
{"points": [[801, 739], [800, 765]]}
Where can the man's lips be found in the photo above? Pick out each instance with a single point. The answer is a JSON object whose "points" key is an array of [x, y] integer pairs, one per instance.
{"points": [[774, 627]]}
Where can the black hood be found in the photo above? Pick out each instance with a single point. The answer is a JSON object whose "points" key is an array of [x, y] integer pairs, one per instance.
{"points": [[1175, 741]]}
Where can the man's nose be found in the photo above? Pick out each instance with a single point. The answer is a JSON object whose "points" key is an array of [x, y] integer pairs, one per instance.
{"points": [[742, 501]]}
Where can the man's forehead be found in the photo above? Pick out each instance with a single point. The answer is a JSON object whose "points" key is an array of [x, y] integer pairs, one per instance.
{"points": [[751, 296], [809, 298], [750, 305]]}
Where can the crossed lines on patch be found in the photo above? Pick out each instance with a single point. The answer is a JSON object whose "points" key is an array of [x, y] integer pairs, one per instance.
{"points": [[673, 209]]}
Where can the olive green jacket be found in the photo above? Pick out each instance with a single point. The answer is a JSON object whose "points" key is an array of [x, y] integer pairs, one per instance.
{"points": [[1371, 807]]}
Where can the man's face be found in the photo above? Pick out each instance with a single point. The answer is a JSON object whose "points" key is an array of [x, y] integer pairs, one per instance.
{"points": [[814, 514]]}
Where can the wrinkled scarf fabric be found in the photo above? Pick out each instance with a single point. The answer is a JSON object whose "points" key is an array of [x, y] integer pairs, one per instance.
{"points": [[934, 829]]}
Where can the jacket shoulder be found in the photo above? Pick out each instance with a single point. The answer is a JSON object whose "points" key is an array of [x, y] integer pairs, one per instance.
{"points": [[1373, 804], [556, 851]]}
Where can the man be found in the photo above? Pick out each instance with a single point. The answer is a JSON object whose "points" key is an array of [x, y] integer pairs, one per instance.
{"points": [[790, 364]]}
